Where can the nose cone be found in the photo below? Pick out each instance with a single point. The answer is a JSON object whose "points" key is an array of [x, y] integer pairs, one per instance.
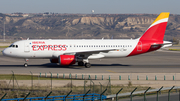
{"points": [[4, 52], [7, 52]]}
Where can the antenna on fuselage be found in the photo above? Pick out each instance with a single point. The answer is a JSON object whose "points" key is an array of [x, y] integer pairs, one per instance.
{"points": [[112, 37], [27, 38]]}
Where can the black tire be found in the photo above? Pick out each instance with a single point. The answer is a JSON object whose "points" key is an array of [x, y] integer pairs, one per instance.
{"points": [[81, 63], [25, 65], [87, 65]]}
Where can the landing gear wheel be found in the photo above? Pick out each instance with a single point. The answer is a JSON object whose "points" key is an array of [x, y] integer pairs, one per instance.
{"points": [[87, 65], [25, 65], [81, 63]]}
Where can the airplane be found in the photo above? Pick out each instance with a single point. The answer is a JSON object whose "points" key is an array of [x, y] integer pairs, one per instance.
{"points": [[71, 51]]}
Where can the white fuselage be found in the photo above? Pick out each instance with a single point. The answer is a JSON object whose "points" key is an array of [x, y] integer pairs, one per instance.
{"points": [[53, 48]]}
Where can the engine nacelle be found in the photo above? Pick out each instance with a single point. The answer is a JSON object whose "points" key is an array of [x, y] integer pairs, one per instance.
{"points": [[64, 60], [67, 59]]}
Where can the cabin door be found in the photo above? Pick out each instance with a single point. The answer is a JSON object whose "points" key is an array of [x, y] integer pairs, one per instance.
{"points": [[26, 47], [139, 46]]}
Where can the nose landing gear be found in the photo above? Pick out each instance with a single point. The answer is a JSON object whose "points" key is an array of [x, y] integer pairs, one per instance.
{"points": [[26, 64]]}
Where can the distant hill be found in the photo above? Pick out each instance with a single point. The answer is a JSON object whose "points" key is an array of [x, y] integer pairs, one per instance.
{"points": [[84, 26]]}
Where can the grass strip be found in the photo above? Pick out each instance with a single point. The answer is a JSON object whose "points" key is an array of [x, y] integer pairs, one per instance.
{"points": [[4, 46], [28, 77], [174, 49]]}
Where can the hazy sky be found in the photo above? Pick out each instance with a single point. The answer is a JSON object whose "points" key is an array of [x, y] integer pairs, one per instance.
{"points": [[85, 6]]}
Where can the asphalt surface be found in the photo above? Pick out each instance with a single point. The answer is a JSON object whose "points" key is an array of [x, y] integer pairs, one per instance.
{"points": [[154, 62]]}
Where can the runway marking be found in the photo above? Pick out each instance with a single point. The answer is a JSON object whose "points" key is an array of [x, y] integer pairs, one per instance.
{"points": [[111, 71]]}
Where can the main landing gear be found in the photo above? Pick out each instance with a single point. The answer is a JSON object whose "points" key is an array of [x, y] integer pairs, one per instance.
{"points": [[87, 65], [81, 63], [26, 64], [84, 63]]}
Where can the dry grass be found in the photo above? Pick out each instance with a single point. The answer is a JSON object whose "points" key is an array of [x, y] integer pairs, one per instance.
{"points": [[22, 91], [174, 49]]}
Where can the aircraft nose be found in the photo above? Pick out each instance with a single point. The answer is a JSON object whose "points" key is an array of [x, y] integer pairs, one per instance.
{"points": [[5, 52]]}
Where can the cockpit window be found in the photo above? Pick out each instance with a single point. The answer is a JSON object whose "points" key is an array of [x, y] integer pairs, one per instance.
{"points": [[14, 46], [10, 45]]}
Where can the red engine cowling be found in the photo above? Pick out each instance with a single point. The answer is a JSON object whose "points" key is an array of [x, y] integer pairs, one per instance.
{"points": [[67, 59]]}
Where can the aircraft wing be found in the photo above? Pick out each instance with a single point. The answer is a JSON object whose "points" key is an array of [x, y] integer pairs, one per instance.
{"points": [[87, 53], [94, 51]]}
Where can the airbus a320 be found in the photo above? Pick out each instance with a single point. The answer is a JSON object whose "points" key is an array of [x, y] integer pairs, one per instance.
{"points": [[68, 52]]}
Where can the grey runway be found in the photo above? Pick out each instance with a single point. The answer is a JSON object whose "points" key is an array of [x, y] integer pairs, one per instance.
{"points": [[154, 62]]}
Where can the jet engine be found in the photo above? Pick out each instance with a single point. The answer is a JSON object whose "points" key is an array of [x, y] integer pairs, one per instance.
{"points": [[67, 59], [64, 60]]}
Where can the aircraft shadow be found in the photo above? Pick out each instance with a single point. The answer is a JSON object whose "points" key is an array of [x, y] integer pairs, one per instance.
{"points": [[109, 65], [48, 65], [52, 65]]}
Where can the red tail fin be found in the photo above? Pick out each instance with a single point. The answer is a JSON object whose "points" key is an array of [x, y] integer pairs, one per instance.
{"points": [[152, 39], [157, 29]]}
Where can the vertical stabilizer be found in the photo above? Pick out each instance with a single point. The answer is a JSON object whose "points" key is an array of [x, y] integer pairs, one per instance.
{"points": [[157, 29]]}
